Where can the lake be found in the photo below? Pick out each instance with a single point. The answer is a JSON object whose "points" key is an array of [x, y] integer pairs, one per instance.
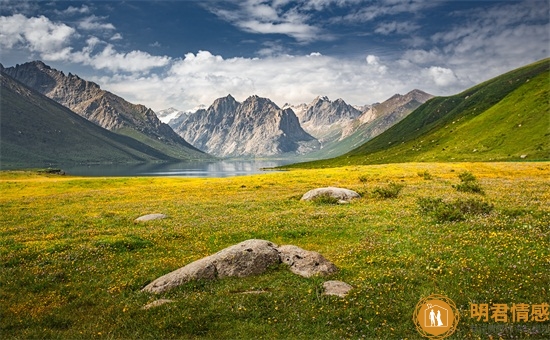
{"points": [[220, 168]]}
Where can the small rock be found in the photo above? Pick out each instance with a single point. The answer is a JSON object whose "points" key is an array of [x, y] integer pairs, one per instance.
{"points": [[340, 193], [157, 303], [304, 262], [337, 288], [523, 156], [150, 217]]}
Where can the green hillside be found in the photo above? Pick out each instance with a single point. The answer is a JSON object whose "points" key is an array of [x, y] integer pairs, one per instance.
{"points": [[37, 131], [504, 119]]}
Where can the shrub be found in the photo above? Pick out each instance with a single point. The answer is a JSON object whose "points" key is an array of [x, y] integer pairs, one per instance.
{"points": [[325, 199], [468, 183], [453, 211], [426, 175], [363, 179], [390, 191]]}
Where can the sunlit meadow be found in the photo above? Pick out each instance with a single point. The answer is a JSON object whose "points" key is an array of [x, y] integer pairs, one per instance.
{"points": [[73, 261]]}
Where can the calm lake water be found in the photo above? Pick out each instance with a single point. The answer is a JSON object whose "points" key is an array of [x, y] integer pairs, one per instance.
{"points": [[222, 168]]}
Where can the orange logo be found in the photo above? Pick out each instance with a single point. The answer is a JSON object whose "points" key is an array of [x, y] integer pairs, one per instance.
{"points": [[436, 317]]}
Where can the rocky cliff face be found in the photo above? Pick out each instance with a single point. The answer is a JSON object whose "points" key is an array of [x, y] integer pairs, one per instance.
{"points": [[255, 127], [101, 107], [324, 118]]}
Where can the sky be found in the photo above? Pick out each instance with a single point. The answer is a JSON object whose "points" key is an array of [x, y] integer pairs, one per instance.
{"points": [[187, 53]]}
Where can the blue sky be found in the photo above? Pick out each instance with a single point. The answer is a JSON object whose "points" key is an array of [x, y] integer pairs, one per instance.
{"points": [[187, 53]]}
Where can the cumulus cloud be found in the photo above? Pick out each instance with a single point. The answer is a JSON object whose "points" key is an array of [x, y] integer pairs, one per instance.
{"points": [[38, 34], [442, 76], [200, 78], [52, 41]]}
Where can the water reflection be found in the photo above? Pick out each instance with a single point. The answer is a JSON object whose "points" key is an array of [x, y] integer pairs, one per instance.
{"points": [[222, 168]]}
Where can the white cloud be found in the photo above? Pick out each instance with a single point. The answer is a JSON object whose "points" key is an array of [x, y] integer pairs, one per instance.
{"points": [[52, 41], [134, 61], [71, 10], [202, 77], [116, 36], [263, 17], [94, 23], [38, 34], [394, 27], [442, 76]]}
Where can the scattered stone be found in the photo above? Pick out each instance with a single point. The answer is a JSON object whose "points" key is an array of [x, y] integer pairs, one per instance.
{"points": [[150, 217], [251, 257], [337, 288], [523, 156], [157, 303], [304, 262], [247, 258], [339, 193]]}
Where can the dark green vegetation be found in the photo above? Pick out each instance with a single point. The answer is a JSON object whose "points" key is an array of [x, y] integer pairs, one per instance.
{"points": [[37, 131], [506, 118], [73, 261]]}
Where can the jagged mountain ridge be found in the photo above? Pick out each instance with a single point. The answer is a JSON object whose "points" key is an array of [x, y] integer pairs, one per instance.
{"points": [[376, 119], [324, 119], [255, 127], [104, 108]]}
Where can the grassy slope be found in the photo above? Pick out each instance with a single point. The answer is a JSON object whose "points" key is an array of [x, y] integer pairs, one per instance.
{"points": [[36, 130], [501, 119], [73, 261]]}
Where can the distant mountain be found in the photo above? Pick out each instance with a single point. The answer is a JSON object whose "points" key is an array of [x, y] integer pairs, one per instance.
{"points": [[325, 119], [255, 127], [375, 119], [37, 131], [502, 119], [167, 115], [104, 108]]}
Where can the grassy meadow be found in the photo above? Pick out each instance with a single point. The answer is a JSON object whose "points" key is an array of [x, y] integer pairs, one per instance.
{"points": [[73, 261]]}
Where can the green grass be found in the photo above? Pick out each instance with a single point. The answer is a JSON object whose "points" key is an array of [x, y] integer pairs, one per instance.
{"points": [[73, 260], [504, 119]]}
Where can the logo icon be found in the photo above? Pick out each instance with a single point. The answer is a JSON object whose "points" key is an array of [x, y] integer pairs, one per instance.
{"points": [[436, 317]]}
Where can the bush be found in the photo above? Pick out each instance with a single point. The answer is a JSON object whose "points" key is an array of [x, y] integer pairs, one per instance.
{"points": [[391, 191], [468, 183], [325, 199], [426, 175], [457, 210]]}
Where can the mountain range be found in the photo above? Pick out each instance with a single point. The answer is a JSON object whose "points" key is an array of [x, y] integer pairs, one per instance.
{"points": [[258, 127], [51, 117], [255, 127], [104, 108], [503, 119]]}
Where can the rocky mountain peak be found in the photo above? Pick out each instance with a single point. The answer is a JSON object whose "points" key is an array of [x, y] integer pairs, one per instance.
{"points": [[104, 108], [255, 127]]}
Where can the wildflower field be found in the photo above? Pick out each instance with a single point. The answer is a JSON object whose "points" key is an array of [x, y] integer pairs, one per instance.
{"points": [[73, 261]]}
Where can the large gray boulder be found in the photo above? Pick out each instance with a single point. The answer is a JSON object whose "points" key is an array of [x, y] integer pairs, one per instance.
{"points": [[304, 262], [250, 257], [339, 193]]}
